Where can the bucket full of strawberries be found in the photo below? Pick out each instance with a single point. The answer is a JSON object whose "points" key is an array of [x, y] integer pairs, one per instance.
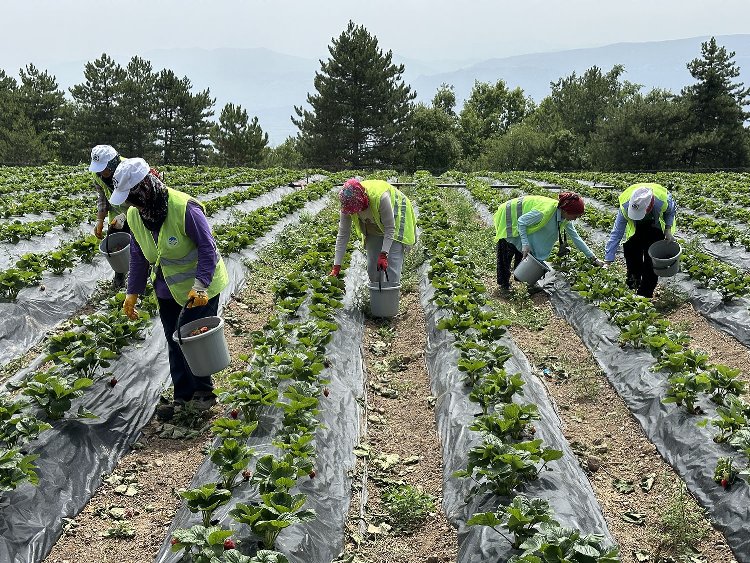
{"points": [[203, 344]]}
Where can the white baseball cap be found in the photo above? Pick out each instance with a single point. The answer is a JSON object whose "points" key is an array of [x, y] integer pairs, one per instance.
{"points": [[128, 174], [639, 203], [100, 156]]}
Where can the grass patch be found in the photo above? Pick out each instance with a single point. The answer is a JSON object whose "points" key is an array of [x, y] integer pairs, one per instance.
{"points": [[408, 507], [683, 524]]}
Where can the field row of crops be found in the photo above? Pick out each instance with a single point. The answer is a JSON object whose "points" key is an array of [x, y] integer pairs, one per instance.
{"points": [[276, 482]]}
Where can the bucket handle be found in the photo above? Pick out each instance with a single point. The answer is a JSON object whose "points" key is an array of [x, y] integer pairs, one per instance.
{"points": [[106, 243], [380, 279], [179, 319]]}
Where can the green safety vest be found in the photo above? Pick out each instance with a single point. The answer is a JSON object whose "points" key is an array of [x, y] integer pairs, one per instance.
{"points": [[506, 216], [660, 193], [403, 212], [114, 210], [175, 252]]}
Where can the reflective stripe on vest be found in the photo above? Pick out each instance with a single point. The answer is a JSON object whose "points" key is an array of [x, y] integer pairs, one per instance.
{"points": [[174, 252], [506, 216]]}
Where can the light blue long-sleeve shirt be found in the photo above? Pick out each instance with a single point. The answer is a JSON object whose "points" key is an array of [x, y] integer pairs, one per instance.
{"points": [[618, 231], [542, 241]]}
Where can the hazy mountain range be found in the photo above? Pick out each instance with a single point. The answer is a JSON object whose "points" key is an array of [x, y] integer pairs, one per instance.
{"points": [[269, 84]]}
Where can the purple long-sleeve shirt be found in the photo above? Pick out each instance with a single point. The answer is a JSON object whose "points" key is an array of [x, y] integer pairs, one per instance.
{"points": [[197, 228]]}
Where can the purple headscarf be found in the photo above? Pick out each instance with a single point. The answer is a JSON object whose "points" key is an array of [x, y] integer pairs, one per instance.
{"points": [[353, 197]]}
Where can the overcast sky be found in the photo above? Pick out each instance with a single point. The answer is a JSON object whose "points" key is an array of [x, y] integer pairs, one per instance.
{"points": [[44, 31]]}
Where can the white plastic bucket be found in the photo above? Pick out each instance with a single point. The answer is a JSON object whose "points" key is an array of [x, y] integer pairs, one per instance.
{"points": [[530, 270], [116, 247], [384, 300], [206, 353], [665, 257]]}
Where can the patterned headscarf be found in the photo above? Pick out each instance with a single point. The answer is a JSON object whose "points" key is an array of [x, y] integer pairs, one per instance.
{"points": [[570, 202], [151, 195], [353, 197]]}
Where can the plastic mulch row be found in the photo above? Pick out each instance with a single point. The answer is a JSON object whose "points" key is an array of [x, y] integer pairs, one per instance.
{"points": [[76, 453], [565, 486], [329, 493]]}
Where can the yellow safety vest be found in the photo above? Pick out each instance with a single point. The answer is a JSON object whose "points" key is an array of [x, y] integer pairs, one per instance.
{"points": [[660, 193], [403, 212], [506, 216], [175, 252]]}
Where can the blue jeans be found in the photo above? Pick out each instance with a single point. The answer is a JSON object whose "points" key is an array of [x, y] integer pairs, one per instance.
{"points": [[185, 383]]}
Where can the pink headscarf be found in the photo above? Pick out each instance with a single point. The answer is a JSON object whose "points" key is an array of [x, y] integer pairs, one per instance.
{"points": [[353, 197]]}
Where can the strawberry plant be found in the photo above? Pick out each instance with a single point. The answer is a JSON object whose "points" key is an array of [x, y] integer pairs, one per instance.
{"points": [[724, 384], [54, 394], [200, 543], [206, 500], [59, 261], [731, 417], [496, 387], [501, 468], [277, 474], [554, 544], [521, 517], [233, 428], [508, 421], [231, 458], [16, 468], [277, 511], [725, 473]]}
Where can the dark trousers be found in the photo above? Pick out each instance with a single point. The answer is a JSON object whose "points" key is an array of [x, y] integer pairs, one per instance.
{"points": [[185, 383], [641, 277], [506, 253]]}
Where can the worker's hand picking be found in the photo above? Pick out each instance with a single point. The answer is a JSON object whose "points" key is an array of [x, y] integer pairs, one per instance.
{"points": [[335, 271], [383, 261], [128, 306]]}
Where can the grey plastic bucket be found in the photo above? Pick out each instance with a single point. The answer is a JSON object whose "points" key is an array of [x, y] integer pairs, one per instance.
{"points": [[119, 260], [206, 353], [384, 300], [665, 257], [530, 270]]}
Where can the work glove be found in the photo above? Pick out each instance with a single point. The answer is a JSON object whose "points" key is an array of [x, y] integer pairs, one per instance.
{"points": [[383, 261], [128, 306], [335, 271], [668, 236], [596, 262], [118, 222], [98, 229], [607, 264], [564, 250], [526, 250], [199, 297]]}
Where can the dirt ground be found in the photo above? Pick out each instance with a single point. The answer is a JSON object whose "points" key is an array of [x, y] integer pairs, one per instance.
{"points": [[403, 443], [627, 474]]}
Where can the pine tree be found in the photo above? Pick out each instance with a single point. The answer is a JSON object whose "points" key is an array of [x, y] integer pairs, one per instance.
{"points": [[43, 104], [360, 113], [19, 143], [239, 141], [173, 94], [715, 132], [97, 101], [195, 114], [137, 109]]}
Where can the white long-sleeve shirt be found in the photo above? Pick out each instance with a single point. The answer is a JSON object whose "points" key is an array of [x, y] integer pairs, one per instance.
{"points": [[369, 227]]}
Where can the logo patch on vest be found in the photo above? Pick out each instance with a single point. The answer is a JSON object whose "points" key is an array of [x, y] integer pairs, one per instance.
{"points": [[172, 241]]}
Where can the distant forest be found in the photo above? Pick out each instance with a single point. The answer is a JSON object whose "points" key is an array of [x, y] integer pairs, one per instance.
{"points": [[362, 115]]}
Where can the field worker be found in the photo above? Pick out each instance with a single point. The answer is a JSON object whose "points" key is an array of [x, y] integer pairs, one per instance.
{"points": [[384, 218], [104, 162], [532, 224], [170, 233], [646, 215]]}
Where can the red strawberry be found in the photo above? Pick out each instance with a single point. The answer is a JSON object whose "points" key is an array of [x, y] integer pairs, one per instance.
{"points": [[246, 474], [173, 541], [724, 483], [229, 543], [312, 474], [113, 382], [326, 392], [235, 413]]}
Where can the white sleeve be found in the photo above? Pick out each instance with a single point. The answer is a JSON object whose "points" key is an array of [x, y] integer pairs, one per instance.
{"points": [[389, 222], [342, 238]]}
